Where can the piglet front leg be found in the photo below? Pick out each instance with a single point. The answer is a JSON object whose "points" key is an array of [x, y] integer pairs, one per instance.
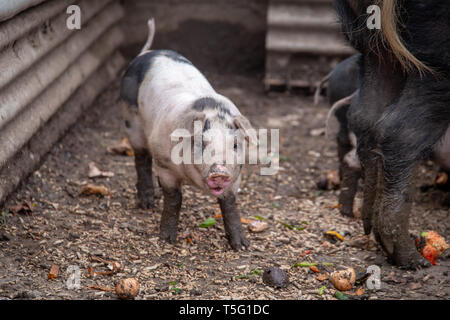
{"points": [[232, 221], [171, 189], [144, 185], [170, 214]]}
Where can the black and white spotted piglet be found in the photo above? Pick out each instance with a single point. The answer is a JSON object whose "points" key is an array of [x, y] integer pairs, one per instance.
{"points": [[164, 93]]}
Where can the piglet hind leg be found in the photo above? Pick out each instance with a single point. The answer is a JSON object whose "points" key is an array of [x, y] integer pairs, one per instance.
{"points": [[142, 156], [144, 185], [232, 222]]}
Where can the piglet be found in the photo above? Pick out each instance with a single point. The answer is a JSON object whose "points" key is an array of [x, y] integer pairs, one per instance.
{"points": [[166, 96]]}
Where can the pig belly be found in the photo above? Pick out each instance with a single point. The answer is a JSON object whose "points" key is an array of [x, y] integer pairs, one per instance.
{"points": [[442, 154]]}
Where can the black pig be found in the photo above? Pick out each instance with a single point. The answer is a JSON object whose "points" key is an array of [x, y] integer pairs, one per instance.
{"points": [[401, 114]]}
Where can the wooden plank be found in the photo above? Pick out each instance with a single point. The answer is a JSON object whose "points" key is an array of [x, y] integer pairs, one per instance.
{"points": [[303, 42], [320, 43], [17, 132], [29, 157], [295, 70], [307, 16], [24, 22], [27, 50], [9, 9], [19, 93]]}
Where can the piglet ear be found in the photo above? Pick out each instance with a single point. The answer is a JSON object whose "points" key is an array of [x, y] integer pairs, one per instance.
{"points": [[192, 123], [197, 122], [189, 125], [243, 124]]}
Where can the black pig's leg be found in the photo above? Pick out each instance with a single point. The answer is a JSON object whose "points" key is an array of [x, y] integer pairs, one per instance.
{"points": [[392, 220], [369, 172], [349, 186], [144, 185], [370, 167], [349, 173], [232, 222], [404, 139]]}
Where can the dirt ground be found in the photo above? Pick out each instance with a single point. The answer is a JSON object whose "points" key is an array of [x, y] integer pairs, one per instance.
{"points": [[66, 229]]}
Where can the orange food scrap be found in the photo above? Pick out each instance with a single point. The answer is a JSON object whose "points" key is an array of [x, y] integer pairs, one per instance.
{"points": [[54, 272], [359, 292], [323, 276], [122, 148], [94, 189], [441, 179], [315, 269], [435, 245], [257, 226], [245, 221]]}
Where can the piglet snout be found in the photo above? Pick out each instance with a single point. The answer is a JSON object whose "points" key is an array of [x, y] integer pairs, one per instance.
{"points": [[218, 176], [217, 180]]}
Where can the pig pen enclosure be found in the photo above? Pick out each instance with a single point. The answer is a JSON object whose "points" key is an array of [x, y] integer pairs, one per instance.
{"points": [[60, 111]]}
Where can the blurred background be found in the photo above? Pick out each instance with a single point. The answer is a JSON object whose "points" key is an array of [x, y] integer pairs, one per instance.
{"points": [[293, 42]]}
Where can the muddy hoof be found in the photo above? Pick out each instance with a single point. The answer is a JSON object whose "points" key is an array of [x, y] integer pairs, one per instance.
{"points": [[275, 277], [238, 242], [322, 184], [146, 202], [367, 226], [414, 262], [418, 264], [445, 255], [168, 236], [4, 236], [348, 212], [346, 200]]}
